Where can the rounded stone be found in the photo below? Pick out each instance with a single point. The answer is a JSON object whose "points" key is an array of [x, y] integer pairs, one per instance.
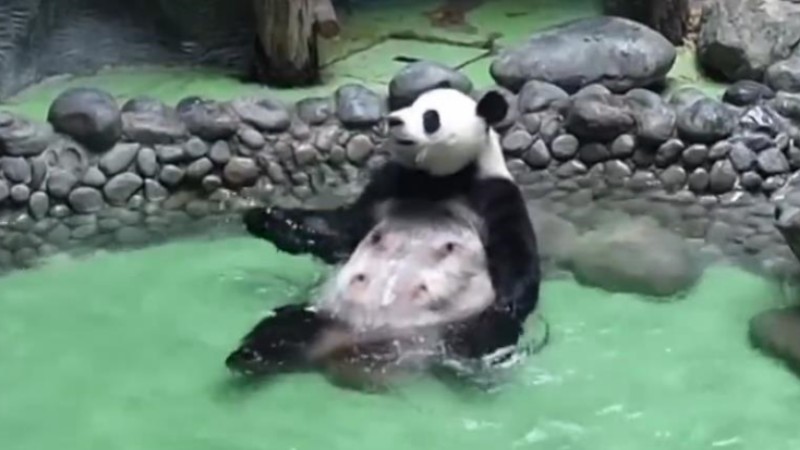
{"points": [[784, 75], [673, 178], [195, 148], [20, 193], [315, 110], [593, 153], [538, 95], [199, 168], [120, 188], [251, 138], [537, 157], [154, 191], [60, 182], [38, 205], [5, 191], [86, 200], [16, 169], [147, 162], [695, 155], [211, 183], [516, 142], [119, 158], [722, 177], [357, 106], [698, 180], [421, 76], [747, 92], [220, 152], [752, 181], [241, 171], [594, 119], [90, 116], [565, 147], [207, 119], [741, 157], [170, 153], [720, 150], [623, 146], [265, 114], [94, 177], [705, 121], [359, 148], [305, 153], [772, 162], [668, 153], [171, 175]]}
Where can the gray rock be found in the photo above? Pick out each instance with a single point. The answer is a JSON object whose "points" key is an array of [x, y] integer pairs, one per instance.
{"points": [[755, 141], [195, 148], [38, 171], [516, 142], [120, 188], [20, 193], [537, 157], [706, 121], [240, 171], [16, 169], [565, 147], [220, 152], [325, 137], [772, 162], [60, 182], [305, 154], [359, 148], [154, 191], [251, 138], [787, 104], [38, 205], [60, 211], [635, 256], [170, 153], [550, 128], [90, 116], [623, 146], [743, 158], [532, 122], [357, 106], [314, 110], [720, 150], [94, 177], [751, 181], [698, 180], [147, 162], [58, 235], [655, 120], [86, 200], [668, 153], [794, 157], [265, 114], [119, 158], [25, 138], [150, 122], [593, 153], [773, 183], [746, 93], [171, 175], [419, 77], [784, 75], [5, 191], [673, 178], [618, 53], [695, 155], [207, 119], [777, 333], [211, 183], [601, 120], [616, 172], [722, 177], [538, 95], [741, 38], [199, 168], [131, 236]]}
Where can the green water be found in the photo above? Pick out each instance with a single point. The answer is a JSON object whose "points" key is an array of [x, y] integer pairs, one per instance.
{"points": [[124, 351]]}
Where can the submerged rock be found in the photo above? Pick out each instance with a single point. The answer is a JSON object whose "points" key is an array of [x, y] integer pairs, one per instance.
{"points": [[777, 333]]}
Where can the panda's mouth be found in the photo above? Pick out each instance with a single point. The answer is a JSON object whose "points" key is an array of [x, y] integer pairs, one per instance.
{"points": [[404, 141]]}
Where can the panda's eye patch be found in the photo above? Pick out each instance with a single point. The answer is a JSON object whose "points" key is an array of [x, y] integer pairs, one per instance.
{"points": [[431, 122]]}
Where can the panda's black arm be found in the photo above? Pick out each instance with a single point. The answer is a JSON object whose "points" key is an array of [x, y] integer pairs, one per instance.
{"points": [[513, 260], [330, 235]]}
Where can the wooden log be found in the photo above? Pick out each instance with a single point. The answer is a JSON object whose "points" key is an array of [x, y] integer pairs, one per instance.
{"points": [[286, 48]]}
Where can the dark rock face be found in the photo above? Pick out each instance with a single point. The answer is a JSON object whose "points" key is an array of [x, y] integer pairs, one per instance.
{"points": [[617, 53], [419, 77], [740, 39], [90, 116]]}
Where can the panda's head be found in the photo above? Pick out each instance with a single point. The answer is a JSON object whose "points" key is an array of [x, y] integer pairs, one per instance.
{"points": [[444, 130]]}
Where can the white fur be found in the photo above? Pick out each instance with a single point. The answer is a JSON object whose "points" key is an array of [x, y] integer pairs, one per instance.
{"points": [[461, 139]]}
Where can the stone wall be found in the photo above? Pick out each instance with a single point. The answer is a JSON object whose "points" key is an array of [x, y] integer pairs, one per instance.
{"points": [[102, 175]]}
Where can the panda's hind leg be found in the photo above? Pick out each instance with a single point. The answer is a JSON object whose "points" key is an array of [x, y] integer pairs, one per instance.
{"points": [[280, 342]]}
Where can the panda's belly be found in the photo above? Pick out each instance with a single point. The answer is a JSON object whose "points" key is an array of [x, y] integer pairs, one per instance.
{"points": [[412, 272]]}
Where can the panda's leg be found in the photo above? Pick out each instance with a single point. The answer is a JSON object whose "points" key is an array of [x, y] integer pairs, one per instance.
{"points": [[280, 342]]}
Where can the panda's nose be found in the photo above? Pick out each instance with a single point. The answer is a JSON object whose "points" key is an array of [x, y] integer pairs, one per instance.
{"points": [[394, 121]]}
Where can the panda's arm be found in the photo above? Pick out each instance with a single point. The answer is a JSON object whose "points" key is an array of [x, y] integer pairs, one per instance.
{"points": [[513, 261], [328, 234]]}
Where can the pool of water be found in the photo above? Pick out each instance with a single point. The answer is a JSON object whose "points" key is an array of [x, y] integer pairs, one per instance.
{"points": [[125, 350]]}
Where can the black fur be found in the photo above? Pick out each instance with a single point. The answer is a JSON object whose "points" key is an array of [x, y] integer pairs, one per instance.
{"points": [[510, 246]]}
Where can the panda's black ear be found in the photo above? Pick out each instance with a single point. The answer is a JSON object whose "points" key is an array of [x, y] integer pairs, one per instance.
{"points": [[493, 107]]}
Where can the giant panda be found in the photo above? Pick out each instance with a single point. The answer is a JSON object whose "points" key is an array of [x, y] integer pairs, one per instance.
{"points": [[437, 257]]}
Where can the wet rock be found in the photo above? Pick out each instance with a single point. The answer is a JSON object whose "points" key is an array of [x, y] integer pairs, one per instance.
{"points": [[695, 155], [743, 158], [747, 92], [154, 191], [586, 51], [565, 147], [305, 154], [16, 169], [264, 114], [593, 153], [207, 119], [249, 137], [706, 121], [60, 182], [20, 193], [772, 162], [538, 95], [784, 75], [131, 236], [722, 177], [171, 175], [655, 121], [668, 153], [199, 168], [25, 138], [777, 333], [635, 256], [698, 180], [357, 106], [150, 122], [220, 152], [418, 77], [241, 171], [751, 181], [325, 137], [359, 148], [516, 142], [86, 200], [38, 205], [38, 171], [90, 116], [94, 177], [719, 150], [5, 190], [119, 158], [598, 120], [673, 178], [170, 153], [195, 148], [787, 104], [147, 162], [315, 110], [211, 183], [537, 157], [120, 188]]}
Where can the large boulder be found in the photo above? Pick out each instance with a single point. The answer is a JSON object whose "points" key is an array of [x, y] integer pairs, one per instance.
{"points": [[619, 53], [90, 116], [416, 78], [741, 38], [777, 333], [635, 256]]}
